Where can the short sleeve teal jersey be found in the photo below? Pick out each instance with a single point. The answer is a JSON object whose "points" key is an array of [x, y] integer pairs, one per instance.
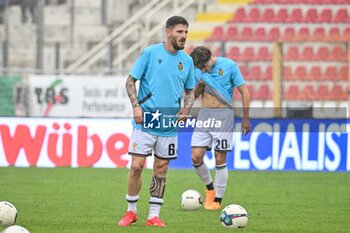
{"points": [[163, 77]]}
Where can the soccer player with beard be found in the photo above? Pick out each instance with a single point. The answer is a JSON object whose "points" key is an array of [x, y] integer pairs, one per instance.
{"points": [[164, 71]]}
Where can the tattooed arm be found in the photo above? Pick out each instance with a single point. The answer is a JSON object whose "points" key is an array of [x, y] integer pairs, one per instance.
{"points": [[188, 102], [132, 93]]}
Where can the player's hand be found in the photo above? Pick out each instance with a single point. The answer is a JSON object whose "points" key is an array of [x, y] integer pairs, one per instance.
{"points": [[245, 126], [182, 114], [138, 115]]}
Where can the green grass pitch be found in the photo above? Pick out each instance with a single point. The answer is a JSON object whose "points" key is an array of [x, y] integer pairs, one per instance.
{"points": [[74, 200]]}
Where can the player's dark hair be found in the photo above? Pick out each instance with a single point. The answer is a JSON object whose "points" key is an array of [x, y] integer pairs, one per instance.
{"points": [[174, 20], [200, 55]]}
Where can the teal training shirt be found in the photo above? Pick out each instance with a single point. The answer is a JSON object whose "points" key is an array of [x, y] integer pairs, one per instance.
{"points": [[163, 77]]}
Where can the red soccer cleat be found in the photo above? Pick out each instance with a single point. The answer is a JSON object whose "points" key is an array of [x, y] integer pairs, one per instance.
{"points": [[155, 221], [128, 219]]}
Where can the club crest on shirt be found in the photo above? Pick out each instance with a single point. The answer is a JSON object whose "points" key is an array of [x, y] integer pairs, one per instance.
{"points": [[221, 72], [134, 145], [160, 60], [180, 65]]}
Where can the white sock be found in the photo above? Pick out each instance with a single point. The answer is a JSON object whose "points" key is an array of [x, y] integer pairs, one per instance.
{"points": [[221, 176], [132, 202], [154, 209], [203, 173]]}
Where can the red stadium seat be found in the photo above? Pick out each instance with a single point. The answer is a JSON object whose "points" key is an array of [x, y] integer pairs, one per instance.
{"points": [[341, 16], [318, 35], [325, 16], [292, 54], [311, 16], [268, 15], [248, 54], [217, 34], [240, 15], [289, 34], [246, 34], [338, 93], [346, 35], [322, 92], [343, 73], [281, 16], [287, 73], [254, 15], [338, 54], [254, 73], [274, 34], [232, 33], [292, 93], [315, 73], [303, 34], [307, 54], [308, 93], [234, 53], [260, 34], [334, 34], [322, 53], [244, 71], [263, 92], [267, 75], [263, 54], [330, 73], [296, 16], [300, 73]]}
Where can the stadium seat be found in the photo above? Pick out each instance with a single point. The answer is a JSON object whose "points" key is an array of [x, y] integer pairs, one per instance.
{"points": [[338, 54], [281, 16], [322, 92], [341, 16], [244, 71], [232, 33], [343, 73], [248, 54], [315, 73], [311, 16], [240, 15], [307, 54], [318, 35], [274, 34], [263, 54], [330, 73], [292, 93], [325, 16], [263, 92], [287, 73], [246, 34], [334, 34], [296, 16], [217, 34], [260, 34], [346, 34], [268, 15], [234, 53], [338, 93], [254, 73], [303, 34], [254, 15], [322, 53], [289, 34], [307, 93], [300, 73], [292, 54], [267, 75]]}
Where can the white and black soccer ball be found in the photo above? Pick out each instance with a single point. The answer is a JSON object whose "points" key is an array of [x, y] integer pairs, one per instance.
{"points": [[15, 229], [191, 200], [8, 214], [234, 216]]}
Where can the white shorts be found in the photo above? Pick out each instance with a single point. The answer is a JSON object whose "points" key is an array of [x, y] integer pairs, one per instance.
{"points": [[219, 138], [143, 144]]}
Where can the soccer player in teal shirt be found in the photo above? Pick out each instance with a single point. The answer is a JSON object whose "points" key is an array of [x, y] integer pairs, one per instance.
{"points": [[164, 71]]}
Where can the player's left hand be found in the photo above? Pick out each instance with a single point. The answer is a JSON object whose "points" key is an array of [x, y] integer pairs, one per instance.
{"points": [[183, 114], [245, 126]]}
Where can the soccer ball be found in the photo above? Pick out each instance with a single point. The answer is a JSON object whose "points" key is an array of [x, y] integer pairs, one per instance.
{"points": [[15, 229], [8, 214], [191, 200], [234, 216]]}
